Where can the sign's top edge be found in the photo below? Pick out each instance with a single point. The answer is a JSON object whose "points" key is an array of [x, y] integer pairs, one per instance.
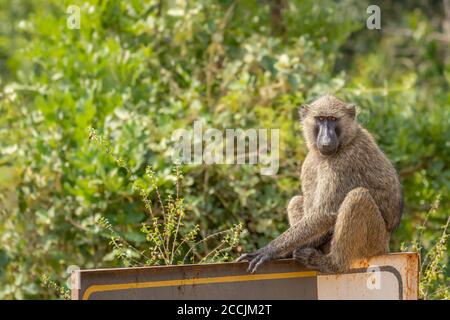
{"points": [[282, 261]]}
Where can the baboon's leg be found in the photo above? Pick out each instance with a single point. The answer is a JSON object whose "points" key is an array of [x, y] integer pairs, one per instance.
{"points": [[295, 210], [360, 232]]}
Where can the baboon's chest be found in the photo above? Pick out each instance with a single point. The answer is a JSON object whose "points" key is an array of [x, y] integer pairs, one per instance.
{"points": [[328, 187]]}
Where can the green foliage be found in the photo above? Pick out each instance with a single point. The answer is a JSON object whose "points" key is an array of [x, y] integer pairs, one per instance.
{"points": [[169, 239], [138, 70], [62, 292], [433, 279]]}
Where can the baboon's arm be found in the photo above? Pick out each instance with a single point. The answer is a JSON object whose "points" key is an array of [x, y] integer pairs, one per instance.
{"points": [[309, 228]]}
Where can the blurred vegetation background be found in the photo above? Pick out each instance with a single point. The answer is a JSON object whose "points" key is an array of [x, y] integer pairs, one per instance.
{"points": [[137, 70]]}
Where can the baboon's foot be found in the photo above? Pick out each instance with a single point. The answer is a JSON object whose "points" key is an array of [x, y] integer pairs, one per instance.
{"points": [[303, 255], [314, 259]]}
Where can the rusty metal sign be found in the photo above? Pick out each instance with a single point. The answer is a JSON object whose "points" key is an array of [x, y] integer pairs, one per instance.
{"points": [[393, 276], [389, 277]]}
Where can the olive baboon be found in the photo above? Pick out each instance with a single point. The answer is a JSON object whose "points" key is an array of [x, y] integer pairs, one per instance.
{"points": [[352, 198]]}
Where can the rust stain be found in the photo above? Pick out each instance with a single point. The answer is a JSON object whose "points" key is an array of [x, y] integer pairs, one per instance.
{"points": [[361, 263], [412, 275]]}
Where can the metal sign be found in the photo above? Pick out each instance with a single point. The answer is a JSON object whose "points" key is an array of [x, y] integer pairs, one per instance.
{"points": [[393, 276]]}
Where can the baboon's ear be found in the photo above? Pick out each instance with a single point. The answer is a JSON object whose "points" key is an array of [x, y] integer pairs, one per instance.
{"points": [[303, 111], [351, 110]]}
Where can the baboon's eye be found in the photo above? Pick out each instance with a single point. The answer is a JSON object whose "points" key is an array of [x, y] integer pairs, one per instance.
{"points": [[333, 119], [321, 118]]}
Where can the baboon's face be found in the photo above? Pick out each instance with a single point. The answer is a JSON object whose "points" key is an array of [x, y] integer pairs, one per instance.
{"points": [[328, 124], [327, 134]]}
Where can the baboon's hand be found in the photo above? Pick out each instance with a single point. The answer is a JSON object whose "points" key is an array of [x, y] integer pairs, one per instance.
{"points": [[257, 258]]}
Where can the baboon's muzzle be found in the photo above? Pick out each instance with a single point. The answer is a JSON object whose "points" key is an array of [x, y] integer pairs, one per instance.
{"points": [[327, 140]]}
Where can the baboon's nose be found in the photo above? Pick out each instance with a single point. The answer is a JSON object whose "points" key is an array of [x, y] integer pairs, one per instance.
{"points": [[326, 142]]}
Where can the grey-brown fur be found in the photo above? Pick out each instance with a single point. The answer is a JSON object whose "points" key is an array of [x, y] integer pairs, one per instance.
{"points": [[351, 200]]}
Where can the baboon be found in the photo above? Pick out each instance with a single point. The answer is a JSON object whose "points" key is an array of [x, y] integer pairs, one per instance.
{"points": [[351, 198]]}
